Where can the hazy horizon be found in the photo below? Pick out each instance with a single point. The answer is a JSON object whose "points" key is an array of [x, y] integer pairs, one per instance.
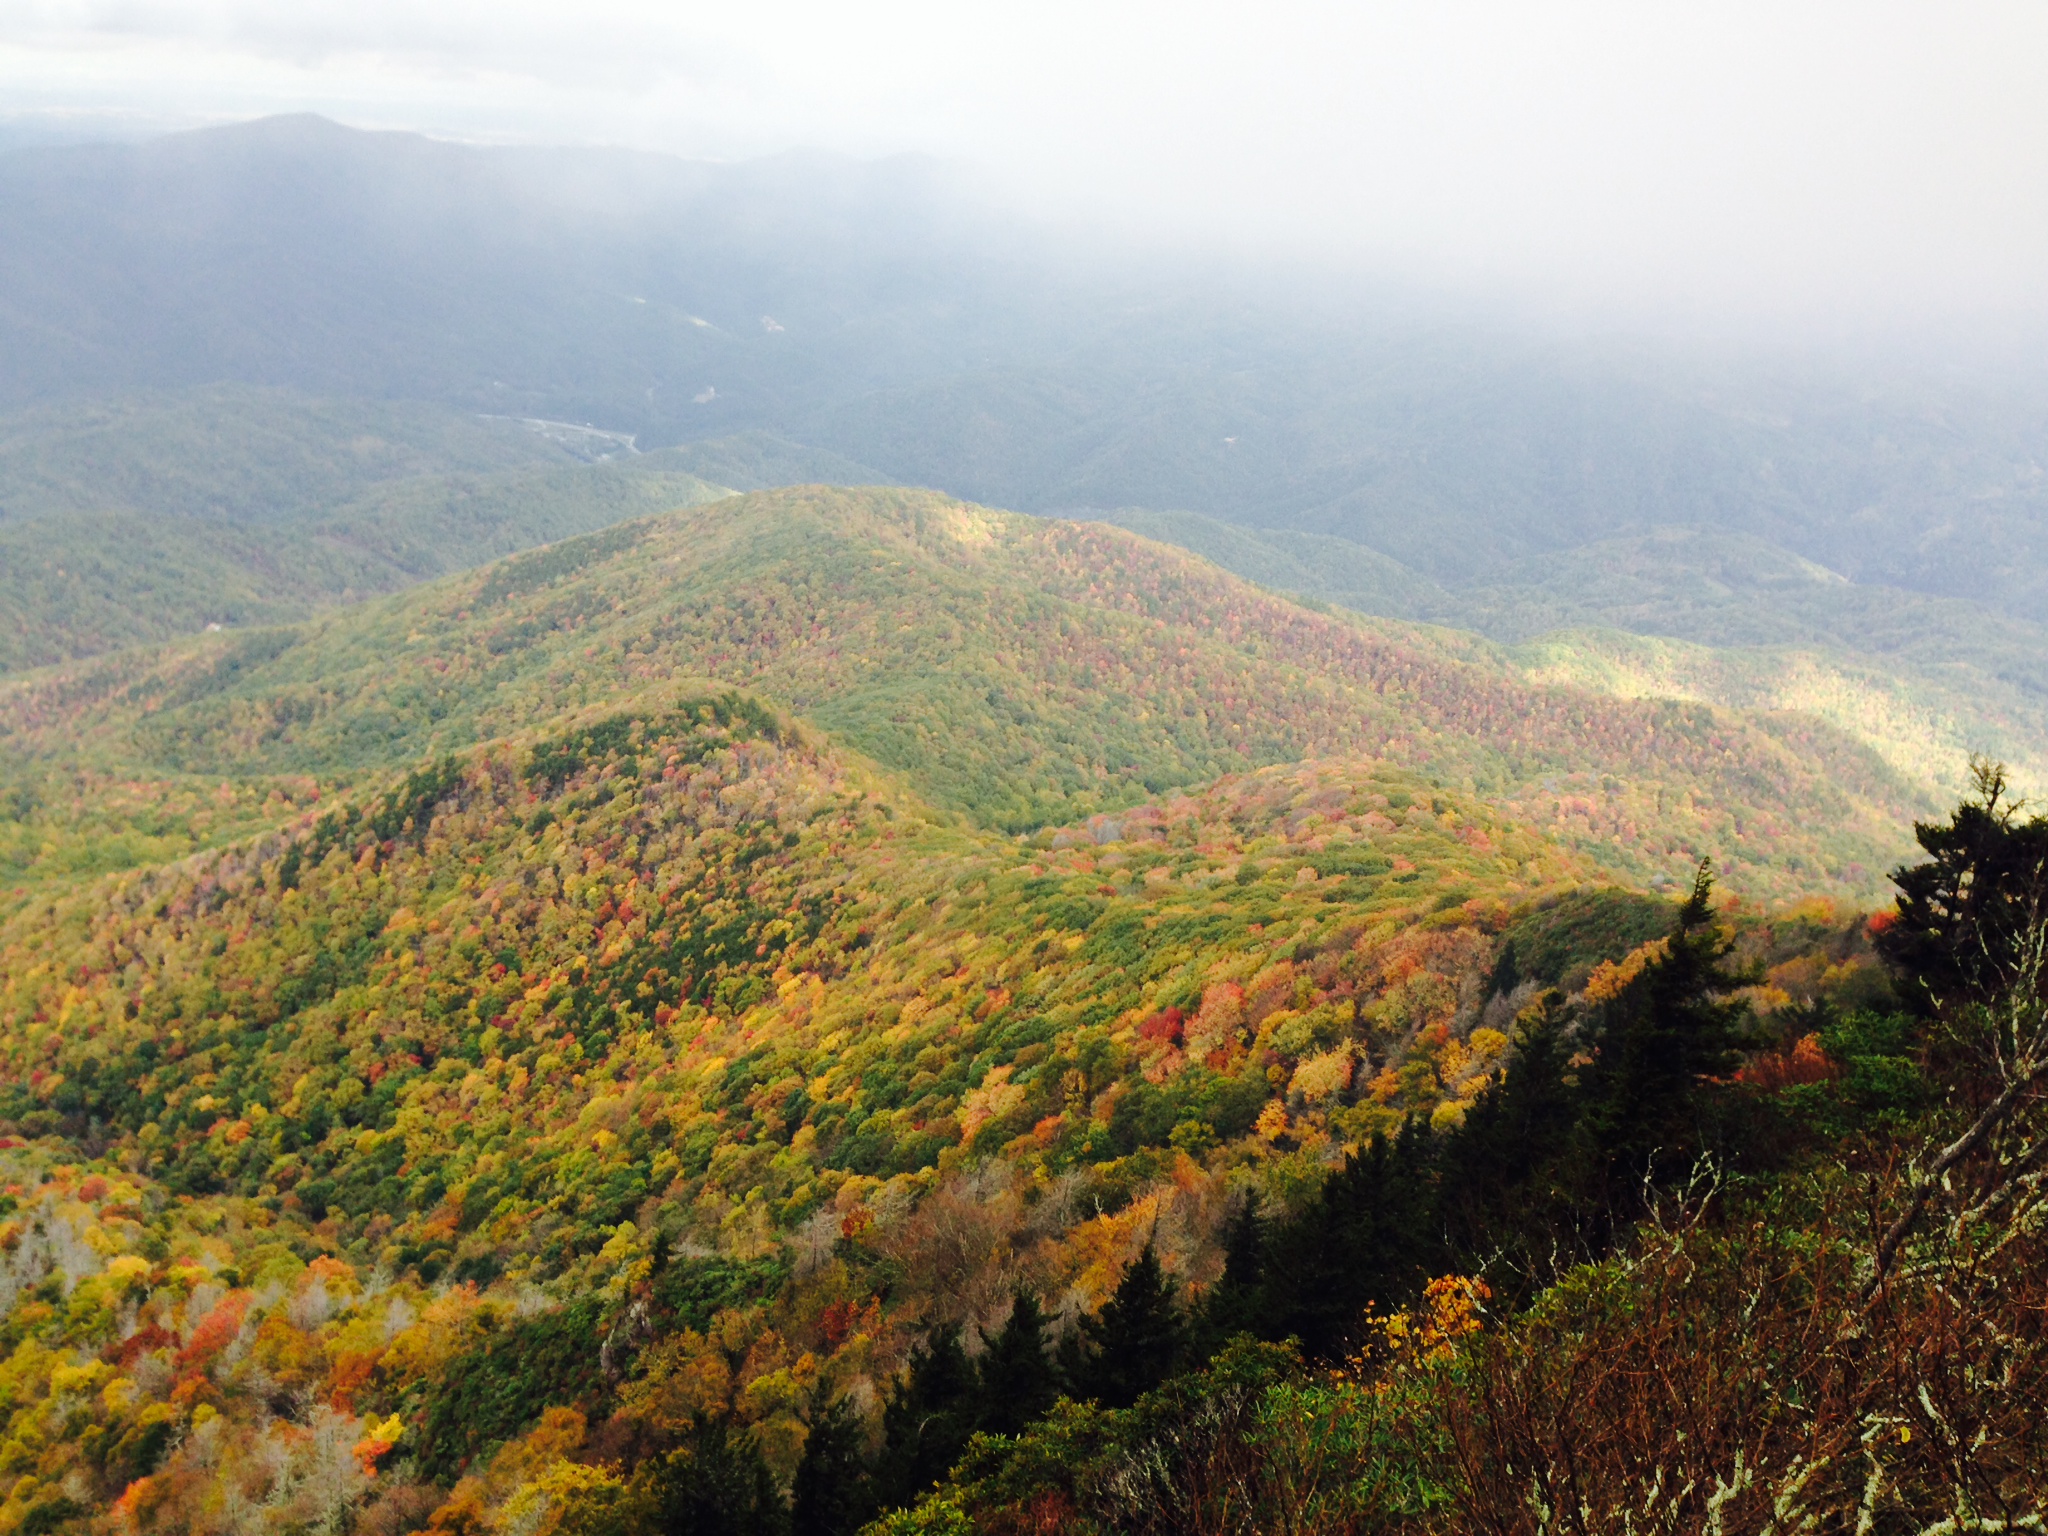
{"points": [[1836, 172]]}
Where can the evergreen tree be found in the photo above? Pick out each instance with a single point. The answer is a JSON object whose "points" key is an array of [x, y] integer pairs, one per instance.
{"points": [[1985, 881], [1660, 1044], [1547, 1163], [1017, 1381], [1370, 1236], [1509, 1177], [716, 1485], [1071, 1360], [833, 1493], [928, 1421], [1235, 1303], [1507, 975], [1139, 1337]]}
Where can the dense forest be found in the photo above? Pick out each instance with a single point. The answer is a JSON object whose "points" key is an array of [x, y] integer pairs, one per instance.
{"points": [[662, 1125], [832, 1012], [1017, 671], [136, 518]]}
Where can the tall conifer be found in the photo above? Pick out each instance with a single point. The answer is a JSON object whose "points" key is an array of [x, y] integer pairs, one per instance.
{"points": [[1139, 1337], [1663, 1040], [1017, 1379], [832, 1494], [929, 1419]]}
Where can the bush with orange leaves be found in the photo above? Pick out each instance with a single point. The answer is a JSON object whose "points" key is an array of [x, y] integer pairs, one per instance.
{"points": [[1453, 1308]]}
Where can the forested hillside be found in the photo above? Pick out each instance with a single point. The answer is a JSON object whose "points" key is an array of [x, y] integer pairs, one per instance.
{"points": [[86, 584], [831, 1010], [1017, 671], [328, 350], [237, 454], [762, 1069], [145, 518], [1718, 618]]}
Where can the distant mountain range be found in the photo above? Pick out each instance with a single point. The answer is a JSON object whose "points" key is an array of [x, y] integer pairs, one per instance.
{"points": [[878, 312], [155, 515], [267, 369]]}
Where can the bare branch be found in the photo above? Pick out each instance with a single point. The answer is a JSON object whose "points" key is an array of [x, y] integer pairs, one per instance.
{"points": [[2019, 1049]]}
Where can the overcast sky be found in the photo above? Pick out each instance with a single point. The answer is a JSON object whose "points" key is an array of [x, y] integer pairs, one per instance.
{"points": [[1863, 159]]}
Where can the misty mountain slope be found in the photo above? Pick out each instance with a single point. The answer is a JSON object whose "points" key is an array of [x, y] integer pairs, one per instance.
{"points": [[1463, 454], [759, 461], [1719, 588], [1320, 567], [96, 582], [83, 584], [1728, 619], [589, 285], [238, 453], [1711, 589], [138, 518], [437, 524], [877, 313], [1015, 671]]}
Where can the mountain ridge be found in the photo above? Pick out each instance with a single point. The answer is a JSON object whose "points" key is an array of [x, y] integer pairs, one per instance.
{"points": [[880, 314], [1021, 671]]}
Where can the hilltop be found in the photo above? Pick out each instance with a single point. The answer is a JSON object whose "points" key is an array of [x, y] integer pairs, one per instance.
{"points": [[686, 982], [800, 942], [1016, 671]]}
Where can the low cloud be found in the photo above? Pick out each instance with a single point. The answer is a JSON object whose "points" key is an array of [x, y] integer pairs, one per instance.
{"points": [[1864, 159]]}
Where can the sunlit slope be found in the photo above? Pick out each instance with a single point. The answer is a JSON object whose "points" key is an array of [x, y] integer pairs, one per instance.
{"points": [[1925, 722], [1017, 671], [1724, 618], [448, 1016]]}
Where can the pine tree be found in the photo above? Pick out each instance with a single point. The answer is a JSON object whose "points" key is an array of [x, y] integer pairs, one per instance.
{"points": [[1661, 1043], [1959, 914], [832, 1494], [1234, 1303], [1139, 1337], [1370, 1236], [716, 1485], [1509, 1176], [929, 1420], [1017, 1382], [1507, 974]]}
